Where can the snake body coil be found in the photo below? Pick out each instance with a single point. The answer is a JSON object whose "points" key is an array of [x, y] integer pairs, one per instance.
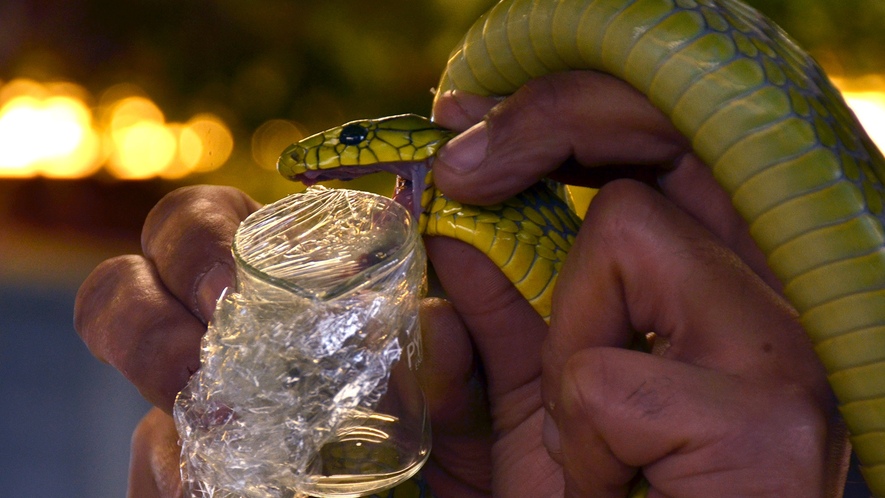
{"points": [[776, 133]]}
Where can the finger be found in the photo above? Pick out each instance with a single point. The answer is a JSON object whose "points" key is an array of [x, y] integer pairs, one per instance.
{"points": [[188, 238], [508, 335], [154, 465], [621, 410], [608, 417], [686, 181], [691, 187], [462, 437], [592, 117], [457, 110], [507, 332], [647, 266], [449, 373], [126, 317]]}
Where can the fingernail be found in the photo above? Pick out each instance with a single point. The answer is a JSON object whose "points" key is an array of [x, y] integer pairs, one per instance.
{"points": [[210, 287], [466, 152], [550, 435], [472, 105]]}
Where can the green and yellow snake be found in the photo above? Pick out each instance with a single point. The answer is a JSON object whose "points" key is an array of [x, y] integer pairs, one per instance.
{"points": [[757, 109]]}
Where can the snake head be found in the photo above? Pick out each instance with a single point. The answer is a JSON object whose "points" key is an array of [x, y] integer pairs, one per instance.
{"points": [[403, 145]]}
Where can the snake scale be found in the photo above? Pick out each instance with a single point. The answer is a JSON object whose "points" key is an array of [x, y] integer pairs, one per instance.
{"points": [[758, 110]]}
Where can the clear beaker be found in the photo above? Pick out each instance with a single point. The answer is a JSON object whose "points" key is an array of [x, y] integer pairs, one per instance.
{"points": [[308, 383]]}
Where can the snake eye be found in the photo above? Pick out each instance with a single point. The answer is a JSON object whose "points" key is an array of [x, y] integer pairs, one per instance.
{"points": [[353, 134]]}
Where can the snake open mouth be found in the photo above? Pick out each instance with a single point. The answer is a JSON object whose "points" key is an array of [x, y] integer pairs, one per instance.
{"points": [[410, 182]]}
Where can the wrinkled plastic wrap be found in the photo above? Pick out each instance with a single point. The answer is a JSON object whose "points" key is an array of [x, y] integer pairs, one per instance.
{"points": [[324, 311]]}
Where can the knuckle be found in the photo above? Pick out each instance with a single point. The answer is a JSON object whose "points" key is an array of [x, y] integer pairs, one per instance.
{"points": [[170, 204], [583, 378], [535, 105], [190, 242], [97, 301], [128, 320], [622, 212], [194, 209]]}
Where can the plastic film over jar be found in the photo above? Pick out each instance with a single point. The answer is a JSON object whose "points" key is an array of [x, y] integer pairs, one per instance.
{"points": [[307, 382]]}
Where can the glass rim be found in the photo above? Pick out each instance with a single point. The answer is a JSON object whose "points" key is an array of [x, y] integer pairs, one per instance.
{"points": [[352, 283]]}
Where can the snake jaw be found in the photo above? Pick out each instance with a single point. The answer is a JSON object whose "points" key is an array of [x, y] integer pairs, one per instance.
{"points": [[410, 184], [344, 173]]}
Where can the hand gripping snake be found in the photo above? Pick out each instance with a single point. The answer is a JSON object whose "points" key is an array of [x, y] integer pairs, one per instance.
{"points": [[760, 112]]}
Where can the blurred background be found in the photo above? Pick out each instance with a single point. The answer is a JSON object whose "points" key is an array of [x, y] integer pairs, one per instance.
{"points": [[105, 106]]}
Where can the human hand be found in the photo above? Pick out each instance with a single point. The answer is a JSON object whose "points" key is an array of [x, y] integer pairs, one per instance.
{"points": [[124, 309], [736, 404], [145, 315]]}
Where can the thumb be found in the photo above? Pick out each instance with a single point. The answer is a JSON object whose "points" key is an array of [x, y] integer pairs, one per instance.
{"points": [[457, 110], [694, 431], [618, 410], [594, 118]]}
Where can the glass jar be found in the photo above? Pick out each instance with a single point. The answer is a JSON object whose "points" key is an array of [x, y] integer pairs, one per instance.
{"points": [[307, 384]]}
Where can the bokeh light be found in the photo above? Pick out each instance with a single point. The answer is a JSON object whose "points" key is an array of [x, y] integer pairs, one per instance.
{"points": [[49, 130], [271, 138], [866, 98], [142, 146], [869, 107], [205, 143], [46, 135]]}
